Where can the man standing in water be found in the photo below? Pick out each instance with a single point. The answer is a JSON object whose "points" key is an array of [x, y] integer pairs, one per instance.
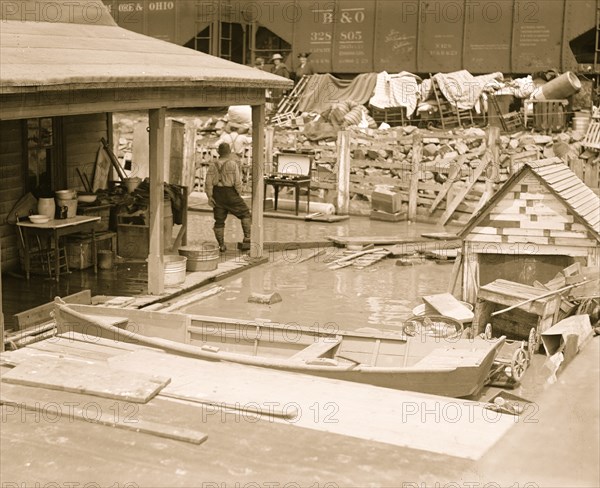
{"points": [[223, 188]]}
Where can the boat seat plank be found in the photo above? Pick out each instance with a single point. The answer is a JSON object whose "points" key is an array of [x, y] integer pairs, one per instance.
{"points": [[93, 378], [316, 349], [444, 357]]}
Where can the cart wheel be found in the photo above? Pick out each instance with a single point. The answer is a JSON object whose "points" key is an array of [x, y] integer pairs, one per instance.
{"points": [[488, 332], [532, 343], [519, 363]]}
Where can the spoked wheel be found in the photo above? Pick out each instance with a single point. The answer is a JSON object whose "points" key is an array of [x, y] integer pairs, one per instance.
{"points": [[433, 325], [519, 363]]}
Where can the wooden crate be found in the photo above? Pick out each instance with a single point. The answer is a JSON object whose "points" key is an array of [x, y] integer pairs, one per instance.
{"points": [[102, 211], [394, 116], [550, 115], [79, 248]]}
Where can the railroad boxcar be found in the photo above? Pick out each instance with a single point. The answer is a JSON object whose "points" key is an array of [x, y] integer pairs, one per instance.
{"points": [[347, 37]]}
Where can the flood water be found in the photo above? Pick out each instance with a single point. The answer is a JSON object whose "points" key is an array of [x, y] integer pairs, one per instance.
{"points": [[381, 296]]}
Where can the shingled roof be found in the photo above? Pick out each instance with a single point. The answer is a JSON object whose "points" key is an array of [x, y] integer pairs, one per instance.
{"points": [[561, 182], [63, 45]]}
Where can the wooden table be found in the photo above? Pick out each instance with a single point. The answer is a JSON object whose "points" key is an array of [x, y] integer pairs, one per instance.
{"points": [[56, 228]]}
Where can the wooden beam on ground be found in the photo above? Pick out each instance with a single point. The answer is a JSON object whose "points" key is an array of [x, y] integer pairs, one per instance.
{"points": [[343, 188], [89, 377], [161, 418], [156, 281], [415, 173], [258, 171]]}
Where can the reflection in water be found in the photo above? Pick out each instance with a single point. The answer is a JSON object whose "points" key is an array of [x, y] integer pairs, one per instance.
{"points": [[380, 296]]}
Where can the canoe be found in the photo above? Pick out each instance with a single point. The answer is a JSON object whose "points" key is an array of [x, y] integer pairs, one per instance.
{"points": [[449, 367]]}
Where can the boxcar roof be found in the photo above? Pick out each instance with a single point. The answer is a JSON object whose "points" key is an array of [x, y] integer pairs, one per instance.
{"points": [[563, 183], [60, 46]]}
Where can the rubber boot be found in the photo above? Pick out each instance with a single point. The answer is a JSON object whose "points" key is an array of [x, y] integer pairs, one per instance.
{"points": [[220, 236], [246, 227]]}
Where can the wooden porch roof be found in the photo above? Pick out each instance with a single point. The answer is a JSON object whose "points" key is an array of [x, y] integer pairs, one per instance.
{"points": [[85, 51], [562, 182]]}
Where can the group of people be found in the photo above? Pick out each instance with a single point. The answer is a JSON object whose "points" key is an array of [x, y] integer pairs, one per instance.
{"points": [[280, 69]]}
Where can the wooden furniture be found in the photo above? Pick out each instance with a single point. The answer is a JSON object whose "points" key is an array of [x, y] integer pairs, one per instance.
{"points": [[55, 229], [450, 115], [293, 170], [550, 115], [539, 313], [508, 121]]}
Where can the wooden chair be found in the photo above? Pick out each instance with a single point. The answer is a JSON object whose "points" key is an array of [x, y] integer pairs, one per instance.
{"points": [[293, 170], [450, 115], [41, 254]]}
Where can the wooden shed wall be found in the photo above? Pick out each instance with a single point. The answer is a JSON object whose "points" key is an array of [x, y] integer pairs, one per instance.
{"points": [[11, 186], [82, 135]]}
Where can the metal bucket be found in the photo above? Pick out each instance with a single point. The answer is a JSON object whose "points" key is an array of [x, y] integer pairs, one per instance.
{"points": [[174, 270], [581, 124], [204, 257]]}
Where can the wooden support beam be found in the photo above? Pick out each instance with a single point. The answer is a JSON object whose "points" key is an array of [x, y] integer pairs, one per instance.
{"points": [[1, 312], [343, 193], [413, 190], [269, 138], [493, 172], [452, 206], [258, 171], [156, 282]]}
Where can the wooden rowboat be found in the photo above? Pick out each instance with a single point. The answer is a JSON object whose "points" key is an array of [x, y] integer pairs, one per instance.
{"points": [[441, 366]]}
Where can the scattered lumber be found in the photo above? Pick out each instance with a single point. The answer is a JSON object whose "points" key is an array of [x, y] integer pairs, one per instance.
{"points": [[161, 418], [366, 261], [92, 378]]}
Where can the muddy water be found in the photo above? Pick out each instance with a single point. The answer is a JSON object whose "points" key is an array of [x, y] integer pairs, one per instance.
{"points": [[381, 296]]}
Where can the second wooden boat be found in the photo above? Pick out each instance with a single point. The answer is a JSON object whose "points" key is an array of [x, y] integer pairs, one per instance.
{"points": [[450, 367]]}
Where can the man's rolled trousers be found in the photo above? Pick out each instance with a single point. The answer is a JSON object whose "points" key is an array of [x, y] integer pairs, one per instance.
{"points": [[223, 188]]}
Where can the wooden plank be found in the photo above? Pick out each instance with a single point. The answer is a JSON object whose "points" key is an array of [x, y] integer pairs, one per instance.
{"points": [[414, 177], [316, 349], [93, 378], [41, 313], [362, 411], [461, 195], [449, 306], [161, 418]]}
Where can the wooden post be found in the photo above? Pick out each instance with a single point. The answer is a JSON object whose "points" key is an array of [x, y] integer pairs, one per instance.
{"points": [[269, 140], [343, 177], [258, 190], [493, 169], [157, 177], [413, 190], [1, 312]]}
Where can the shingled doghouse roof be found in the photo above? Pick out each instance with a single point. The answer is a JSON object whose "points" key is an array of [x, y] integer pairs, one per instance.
{"points": [[63, 45], [562, 182]]}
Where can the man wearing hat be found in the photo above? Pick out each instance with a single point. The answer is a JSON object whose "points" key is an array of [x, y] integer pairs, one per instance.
{"points": [[305, 67], [223, 186], [279, 67]]}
